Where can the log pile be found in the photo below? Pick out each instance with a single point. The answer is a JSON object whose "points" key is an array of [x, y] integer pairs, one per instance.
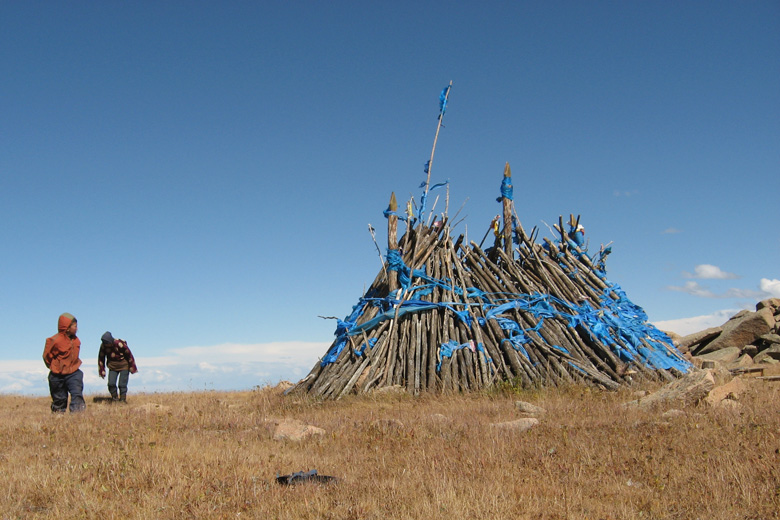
{"points": [[443, 314]]}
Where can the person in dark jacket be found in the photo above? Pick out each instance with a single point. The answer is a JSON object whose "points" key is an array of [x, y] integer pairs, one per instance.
{"points": [[61, 356], [120, 364]]}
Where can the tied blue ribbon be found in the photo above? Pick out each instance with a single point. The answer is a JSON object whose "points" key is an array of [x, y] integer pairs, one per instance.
{"points": [[506, 189], [443, 100]]}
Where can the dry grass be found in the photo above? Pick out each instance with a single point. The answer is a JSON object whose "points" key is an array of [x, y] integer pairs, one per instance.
{"points": [[212, 455]]}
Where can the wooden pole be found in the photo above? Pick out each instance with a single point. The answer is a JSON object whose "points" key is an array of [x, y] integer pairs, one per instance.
{"points": [[507, 206], [436, 138], [392, 240]]}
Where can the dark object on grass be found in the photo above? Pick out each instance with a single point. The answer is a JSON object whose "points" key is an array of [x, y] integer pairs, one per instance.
{"points": [[100, 399], [301, 477]]}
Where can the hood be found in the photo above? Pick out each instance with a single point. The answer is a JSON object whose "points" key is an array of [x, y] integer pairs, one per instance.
{"points": [[65, 320], [107, 338]]}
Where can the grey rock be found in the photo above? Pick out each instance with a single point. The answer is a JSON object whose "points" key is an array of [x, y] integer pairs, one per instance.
{"points": [[390, 390], [518, 425], [283, 386], [734, 389], [744, 328], [744, 361], [294, 430], [687, 390], [771, 303], [772, 352], [724, 355], [686, 342], [529, 408]]}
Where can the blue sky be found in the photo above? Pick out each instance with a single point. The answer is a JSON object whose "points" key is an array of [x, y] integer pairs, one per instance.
{"points": [[198, 177]]}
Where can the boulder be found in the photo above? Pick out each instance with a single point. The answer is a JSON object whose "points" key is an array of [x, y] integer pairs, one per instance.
{"points": [[734, 389], [771, 303], [283, 386], [744, 361], [294, 430], [390, 390], [744, 328], [688, 390], [687, 342], [528, 408], [772, 352], [724, 355], [519, 425]]}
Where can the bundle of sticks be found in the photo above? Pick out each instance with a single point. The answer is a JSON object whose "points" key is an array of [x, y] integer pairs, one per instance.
{"points": [[444, 315]]}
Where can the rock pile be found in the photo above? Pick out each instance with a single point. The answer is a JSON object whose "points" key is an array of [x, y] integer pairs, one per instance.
{"points": [[748, 342]]}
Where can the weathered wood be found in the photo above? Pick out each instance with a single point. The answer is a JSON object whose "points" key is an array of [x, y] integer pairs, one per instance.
{"points": [[416, 367], [408, 346], [432, 351], [507, 207], [411, 355], [356, 375], [392, 240]]}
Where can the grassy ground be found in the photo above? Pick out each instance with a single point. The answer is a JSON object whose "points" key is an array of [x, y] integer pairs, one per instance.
{"points": [[212, 455]]}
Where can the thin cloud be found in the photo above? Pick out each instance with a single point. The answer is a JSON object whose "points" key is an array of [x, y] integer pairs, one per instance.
{"points": [[744, 293], [225, 367], [709, 272], [685, 326], [671, 231], [768, 288], [282, 350], [624, 193], [694, 289]]}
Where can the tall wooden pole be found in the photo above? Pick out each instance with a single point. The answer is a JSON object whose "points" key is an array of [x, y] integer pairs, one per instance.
{"points": [[507, 202], [392, 240], [436, 137]]}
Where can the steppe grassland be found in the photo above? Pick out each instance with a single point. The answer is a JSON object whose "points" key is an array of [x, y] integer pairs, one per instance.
{"points": [[212, 455]]}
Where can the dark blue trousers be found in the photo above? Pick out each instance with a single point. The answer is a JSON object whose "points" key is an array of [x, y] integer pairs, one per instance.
{"points": [[123, 376], [62, 385]]}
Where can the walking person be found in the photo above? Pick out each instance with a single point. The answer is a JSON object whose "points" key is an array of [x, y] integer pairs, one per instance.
{"points": [[120, 365], [61, 356]]}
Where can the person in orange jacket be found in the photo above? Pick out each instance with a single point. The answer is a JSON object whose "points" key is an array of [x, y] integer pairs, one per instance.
{"points": [[61, 355]]}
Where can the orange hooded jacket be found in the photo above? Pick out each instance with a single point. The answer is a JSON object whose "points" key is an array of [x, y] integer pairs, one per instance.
{"points": [[61, 353]]}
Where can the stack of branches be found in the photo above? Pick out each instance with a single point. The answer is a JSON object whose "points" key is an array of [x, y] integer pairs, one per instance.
{"points": [[443, 315]]}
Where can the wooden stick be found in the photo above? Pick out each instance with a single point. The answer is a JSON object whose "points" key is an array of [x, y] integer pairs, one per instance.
{"points": [[392, 241], [436, 138], [507, 206]]}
